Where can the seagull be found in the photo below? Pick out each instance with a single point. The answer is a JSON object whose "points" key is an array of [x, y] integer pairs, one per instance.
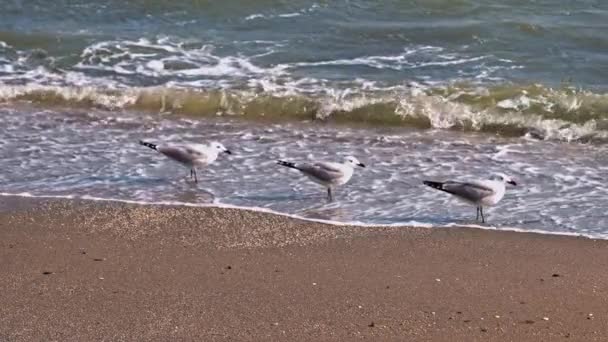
{"points": [[190, 155], [486, 192], [328, 174]]}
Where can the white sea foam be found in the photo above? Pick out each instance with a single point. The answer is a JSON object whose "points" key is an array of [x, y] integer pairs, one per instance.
{"points": [[409, 103], [110, 75], [301, 12], [289, 15], [122, 58], [255, 16], [409, 58], [91, 152]]}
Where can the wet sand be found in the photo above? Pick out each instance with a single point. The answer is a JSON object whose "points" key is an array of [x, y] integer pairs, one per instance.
{"points": [[89, 271]]}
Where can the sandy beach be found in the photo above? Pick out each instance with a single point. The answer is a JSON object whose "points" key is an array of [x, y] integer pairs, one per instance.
{"points": [[90, 271]]}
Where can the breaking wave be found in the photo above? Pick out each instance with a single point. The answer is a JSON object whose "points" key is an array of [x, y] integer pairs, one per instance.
{"points": [[188, 77], [534, 111]]}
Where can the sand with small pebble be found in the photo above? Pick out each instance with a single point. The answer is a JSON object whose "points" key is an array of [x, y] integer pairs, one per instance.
{"points": [[90, 271]]}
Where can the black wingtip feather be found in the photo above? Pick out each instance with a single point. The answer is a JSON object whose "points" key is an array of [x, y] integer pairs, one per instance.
{"points": [[436, 185], [147, 144], [286, 164]]}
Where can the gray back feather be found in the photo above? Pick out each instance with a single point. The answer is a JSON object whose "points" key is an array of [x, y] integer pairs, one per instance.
{"points": [[182, 155], [468, 191], [322, 171]]}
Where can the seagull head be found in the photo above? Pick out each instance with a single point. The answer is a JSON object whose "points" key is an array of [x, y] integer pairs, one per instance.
{"points": [[504, 178], [352, 161], [216, 146]]}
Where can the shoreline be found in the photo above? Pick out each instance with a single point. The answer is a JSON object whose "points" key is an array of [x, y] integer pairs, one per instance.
{"points": [[82, 270], [30, 199]]}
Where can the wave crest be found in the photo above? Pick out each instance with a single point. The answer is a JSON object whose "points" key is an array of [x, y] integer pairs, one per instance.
{"points": [[534, 110]]}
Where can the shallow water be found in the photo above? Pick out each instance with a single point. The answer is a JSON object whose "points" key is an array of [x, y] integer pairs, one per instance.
{"points": [[561, 186], [416, 89]]}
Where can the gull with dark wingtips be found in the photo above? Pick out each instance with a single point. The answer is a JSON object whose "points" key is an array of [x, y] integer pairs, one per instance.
{"points": [[328, 174], [486, 192], [190, 155]]}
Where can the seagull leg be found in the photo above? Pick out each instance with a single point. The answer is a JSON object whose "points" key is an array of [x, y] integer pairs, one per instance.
{"points": [[191, 174], [477, 217], [329, 195], [483, 219], [194, 172]]}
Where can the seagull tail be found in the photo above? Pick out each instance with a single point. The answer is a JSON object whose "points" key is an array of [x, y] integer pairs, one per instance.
{"points": [[147, 144], [436, 185], [287, 164]]}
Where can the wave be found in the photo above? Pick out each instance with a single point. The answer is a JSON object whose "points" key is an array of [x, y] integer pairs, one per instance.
{"points": [[535, 111]]}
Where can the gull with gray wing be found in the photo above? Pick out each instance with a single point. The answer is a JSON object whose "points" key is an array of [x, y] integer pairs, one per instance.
{"points": [[486, 192], [190, 155], [328, 174]]}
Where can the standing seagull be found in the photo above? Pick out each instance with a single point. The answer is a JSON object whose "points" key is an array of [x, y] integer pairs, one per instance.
{"points": [[327, 174], [191, 155], [486, 192]]}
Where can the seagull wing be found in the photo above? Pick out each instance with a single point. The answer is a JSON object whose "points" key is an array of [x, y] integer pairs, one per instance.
{"points": [[470, 191], [326, 172], [181, 154]]}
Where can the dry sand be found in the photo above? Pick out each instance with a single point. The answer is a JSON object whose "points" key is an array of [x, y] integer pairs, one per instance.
{"points": [[90, 271]]}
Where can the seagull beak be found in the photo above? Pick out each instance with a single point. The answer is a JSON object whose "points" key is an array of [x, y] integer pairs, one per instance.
{"points": [[512, 182], [361, 164], [227, 152]]}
